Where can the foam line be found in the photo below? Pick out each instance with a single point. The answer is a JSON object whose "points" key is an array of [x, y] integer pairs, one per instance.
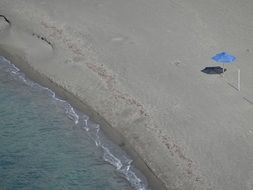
{"points": [[111, 153]]}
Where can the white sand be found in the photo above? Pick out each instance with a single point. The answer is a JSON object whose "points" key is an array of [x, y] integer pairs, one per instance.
{"points": [[137, 65]]}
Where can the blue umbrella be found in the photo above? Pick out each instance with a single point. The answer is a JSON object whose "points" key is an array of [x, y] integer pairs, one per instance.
{"points": [[224, 58]]}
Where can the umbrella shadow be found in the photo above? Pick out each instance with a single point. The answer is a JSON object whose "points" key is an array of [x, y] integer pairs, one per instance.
{"points": [[213, 70]]}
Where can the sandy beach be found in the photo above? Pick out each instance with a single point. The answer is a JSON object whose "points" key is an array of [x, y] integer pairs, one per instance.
{"points": [[135, 67]]}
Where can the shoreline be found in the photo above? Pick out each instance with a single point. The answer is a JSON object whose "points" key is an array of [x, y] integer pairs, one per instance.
{"points": [[117, 138], [75, 74]]}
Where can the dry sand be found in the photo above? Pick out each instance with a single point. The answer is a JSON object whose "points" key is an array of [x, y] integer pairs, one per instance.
{"points": [[136, 66]]}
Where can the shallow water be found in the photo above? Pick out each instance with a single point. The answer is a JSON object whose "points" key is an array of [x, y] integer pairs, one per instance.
{"points": [[46, 144]]}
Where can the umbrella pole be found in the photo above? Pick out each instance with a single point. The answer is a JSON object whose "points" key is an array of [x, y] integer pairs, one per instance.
{"points": [[239, 80], [223, 69]]}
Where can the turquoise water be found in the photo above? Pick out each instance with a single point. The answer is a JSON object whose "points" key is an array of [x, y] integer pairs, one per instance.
{"points": [[47, 144]]}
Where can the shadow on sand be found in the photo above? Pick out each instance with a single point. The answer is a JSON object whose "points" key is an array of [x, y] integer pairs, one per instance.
{"points": [[213, 70]]}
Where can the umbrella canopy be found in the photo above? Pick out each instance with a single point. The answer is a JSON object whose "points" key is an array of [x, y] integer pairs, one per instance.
{"points": [[224, 57]]}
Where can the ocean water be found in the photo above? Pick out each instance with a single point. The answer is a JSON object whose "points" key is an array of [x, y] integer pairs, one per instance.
{"points": [[46, 144]]}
